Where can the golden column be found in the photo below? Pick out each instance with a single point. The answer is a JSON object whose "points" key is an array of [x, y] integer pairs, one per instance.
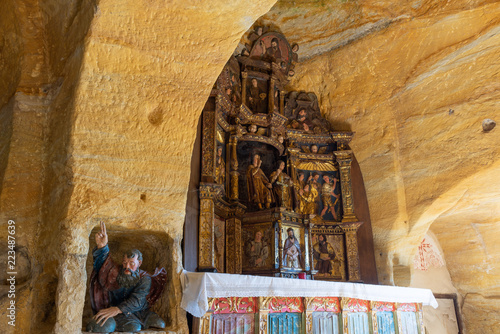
{"points": [[344, 159], [206, 245], [233, 143], [351, 243], [233, 246]]}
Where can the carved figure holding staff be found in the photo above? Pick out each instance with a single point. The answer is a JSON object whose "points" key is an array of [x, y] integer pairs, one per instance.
{"points": [[259, 187], [327, 192], [282, 186]]}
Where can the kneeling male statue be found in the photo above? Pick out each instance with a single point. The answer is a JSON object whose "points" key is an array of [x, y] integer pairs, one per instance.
{"points": [[121, 297]]}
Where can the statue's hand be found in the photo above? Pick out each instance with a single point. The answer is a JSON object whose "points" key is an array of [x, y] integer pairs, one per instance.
{"points": [[105, 314], [101, 238]]}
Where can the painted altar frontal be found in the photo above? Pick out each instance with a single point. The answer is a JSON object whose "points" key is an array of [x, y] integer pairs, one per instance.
{"points": [[244, 304]]}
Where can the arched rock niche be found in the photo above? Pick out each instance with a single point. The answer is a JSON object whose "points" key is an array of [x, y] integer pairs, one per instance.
{"points": [[157, 250]]}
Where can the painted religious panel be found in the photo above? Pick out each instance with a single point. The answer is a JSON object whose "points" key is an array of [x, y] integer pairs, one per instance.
{"points": [[257, 94], [318, 192], [328, 256], [258, 250], [293, 255], [272, 47]]}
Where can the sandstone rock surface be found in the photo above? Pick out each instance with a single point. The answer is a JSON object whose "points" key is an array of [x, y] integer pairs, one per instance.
{"points": [[414, 82], [100, 101]]}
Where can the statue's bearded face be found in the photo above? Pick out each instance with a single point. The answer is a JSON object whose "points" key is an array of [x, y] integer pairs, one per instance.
{"points": [[128, 278], [130, 264], [129, 274]]}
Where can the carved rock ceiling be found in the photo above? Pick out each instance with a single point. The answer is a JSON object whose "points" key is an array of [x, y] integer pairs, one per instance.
{"points": [[100, 103]]}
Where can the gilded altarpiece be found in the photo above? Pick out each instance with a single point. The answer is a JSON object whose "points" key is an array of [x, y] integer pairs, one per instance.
{"points": [[275, 195]]}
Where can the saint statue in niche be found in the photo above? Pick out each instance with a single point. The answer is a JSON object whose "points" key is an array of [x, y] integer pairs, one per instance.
{"points": [[306, 201], [314, 188], [282, 186], [327, 194], [292, 255], [259, 187], [220, 167], [301, 121], [122, 297], [257, 250]]}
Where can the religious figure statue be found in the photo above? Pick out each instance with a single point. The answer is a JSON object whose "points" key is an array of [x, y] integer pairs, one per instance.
{"points": [[301, 122], [306, 201], [299, 185], [256, 97], [252, 129], [327, 192], [324, 254], [259, 187], [273, 53], [220, 167], [257, 251], [121, 297], [292, 255], [282, 186], [314, 187]]}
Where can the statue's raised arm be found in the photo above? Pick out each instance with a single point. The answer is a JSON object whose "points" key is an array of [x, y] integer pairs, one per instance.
{"points": [[101, 238]]}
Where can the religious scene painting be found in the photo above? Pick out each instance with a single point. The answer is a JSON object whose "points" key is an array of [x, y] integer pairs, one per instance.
{"points": [[257, 247], [257, 95], [293, 248], [272, 47], [319, 194], [328, 256]]}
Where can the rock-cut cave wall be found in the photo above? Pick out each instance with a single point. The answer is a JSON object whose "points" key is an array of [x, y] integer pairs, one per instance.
{"points": [[100, 102]]}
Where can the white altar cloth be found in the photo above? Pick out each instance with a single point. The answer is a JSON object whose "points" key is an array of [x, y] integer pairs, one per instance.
{"points": [[198, 287]]}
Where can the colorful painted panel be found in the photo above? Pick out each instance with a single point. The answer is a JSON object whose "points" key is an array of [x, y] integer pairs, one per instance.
{"points": [[285, 323], [284, 304], [323, 304], [318, 191], [258, 246], [408, 307], [357, 323], [385, 323], [233, 324], [293, 245], [325, 323], [355, 305], [328, 256], [383, 306], [408, 323], [234, 305]]}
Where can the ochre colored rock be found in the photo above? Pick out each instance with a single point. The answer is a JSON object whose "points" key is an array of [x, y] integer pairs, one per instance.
{"points": [[100, 102]]}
